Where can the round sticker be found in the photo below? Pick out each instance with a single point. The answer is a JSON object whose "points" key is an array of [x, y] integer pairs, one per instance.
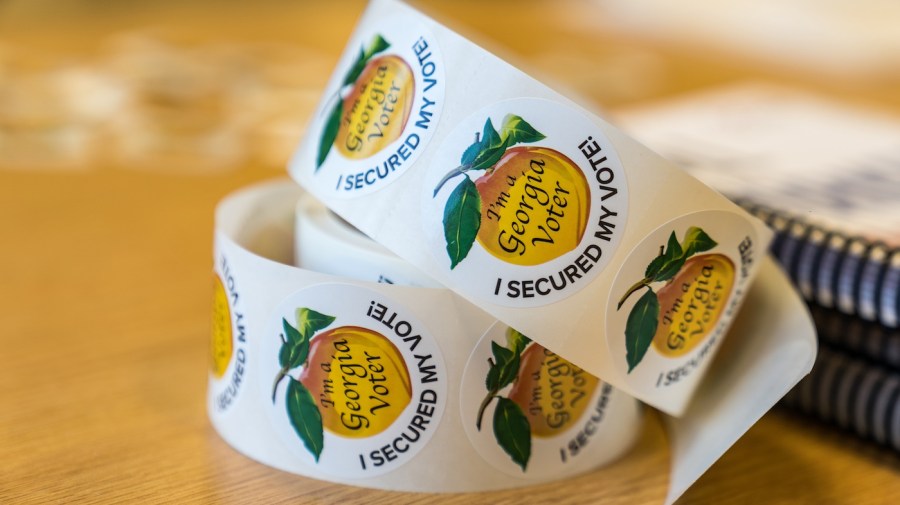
{"points": [[533, 414], [228, 342], [675, 296], [357, 384], [525, 202], [221, 345], [381, 109]]}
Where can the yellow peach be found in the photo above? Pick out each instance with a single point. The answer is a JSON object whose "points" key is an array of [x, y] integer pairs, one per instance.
{"points": [[358, 379], [377, 108], [691, 303], [535, 205], [552, 392]]}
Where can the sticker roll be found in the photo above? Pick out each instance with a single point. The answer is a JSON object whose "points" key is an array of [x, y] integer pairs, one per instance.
{"points": [[530, 213], [326, 243], [528, 206], [382, 385], [552, 394], [270, 379]]}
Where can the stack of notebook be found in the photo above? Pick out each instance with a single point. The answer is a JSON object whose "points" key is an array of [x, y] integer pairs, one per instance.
{"points": [[826, 178]]}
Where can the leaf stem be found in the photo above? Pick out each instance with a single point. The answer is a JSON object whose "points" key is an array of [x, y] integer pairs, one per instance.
{"points": [[484, 405], [487, 401], [329, 103], [278, 378], [645, 282], [450, 175]]}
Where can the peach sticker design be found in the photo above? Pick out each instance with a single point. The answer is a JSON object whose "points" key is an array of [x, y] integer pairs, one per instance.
{"points": [[354, 381], [500, 208], [548, 394], [686, 293], [371, 107]]}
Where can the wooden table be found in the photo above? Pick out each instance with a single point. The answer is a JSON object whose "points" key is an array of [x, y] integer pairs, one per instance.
{"points": [[105, 296]]}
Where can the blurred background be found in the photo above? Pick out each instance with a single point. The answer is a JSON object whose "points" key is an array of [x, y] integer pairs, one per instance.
{"points": [[204, 86]]}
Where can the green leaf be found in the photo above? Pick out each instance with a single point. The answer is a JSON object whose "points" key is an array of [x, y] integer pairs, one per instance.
{"points": [[489, 135], [640, 328], [512, 431], [305, 417], [654, 266], [501, 354], [518, 131], [291, 333], [670, 269], [332, 125], [484, 153], [673, 248], [293, 355], [376, 45], [462, 219], [491, 149], [672, 261], [516, 341], [468, 156], [310, 321], [356, 69], [505, 368], [696, 241], [295, 348], [488, 157]]}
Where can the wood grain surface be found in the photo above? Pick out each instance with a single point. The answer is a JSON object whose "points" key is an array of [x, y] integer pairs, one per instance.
{"points": [[105, 292]]}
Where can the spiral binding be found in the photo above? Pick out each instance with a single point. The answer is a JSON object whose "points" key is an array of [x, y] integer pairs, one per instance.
{"points": [[854, 275], [853, 394], [851, 335]]}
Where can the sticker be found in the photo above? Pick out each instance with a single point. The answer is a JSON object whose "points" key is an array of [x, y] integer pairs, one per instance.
{"points": [[356, 384], [380, 111], [221, 344], [525, 202], [532, 414], [228, 340], [676, 295]]}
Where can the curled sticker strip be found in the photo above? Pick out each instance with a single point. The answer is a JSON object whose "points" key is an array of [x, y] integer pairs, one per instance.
{"points": [[359, 382], [412, 345], [328, 244], [527, 411], [536, 211]]}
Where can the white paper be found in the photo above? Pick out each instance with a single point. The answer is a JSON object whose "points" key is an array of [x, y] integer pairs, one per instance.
{"points": [[830, 163]]}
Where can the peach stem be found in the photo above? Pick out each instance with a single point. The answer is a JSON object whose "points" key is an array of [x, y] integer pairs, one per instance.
{"points": [[482, 407], [453, 173], [450, 175], [281, 375], [484, 403], [328, 104], [645, 282]]}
